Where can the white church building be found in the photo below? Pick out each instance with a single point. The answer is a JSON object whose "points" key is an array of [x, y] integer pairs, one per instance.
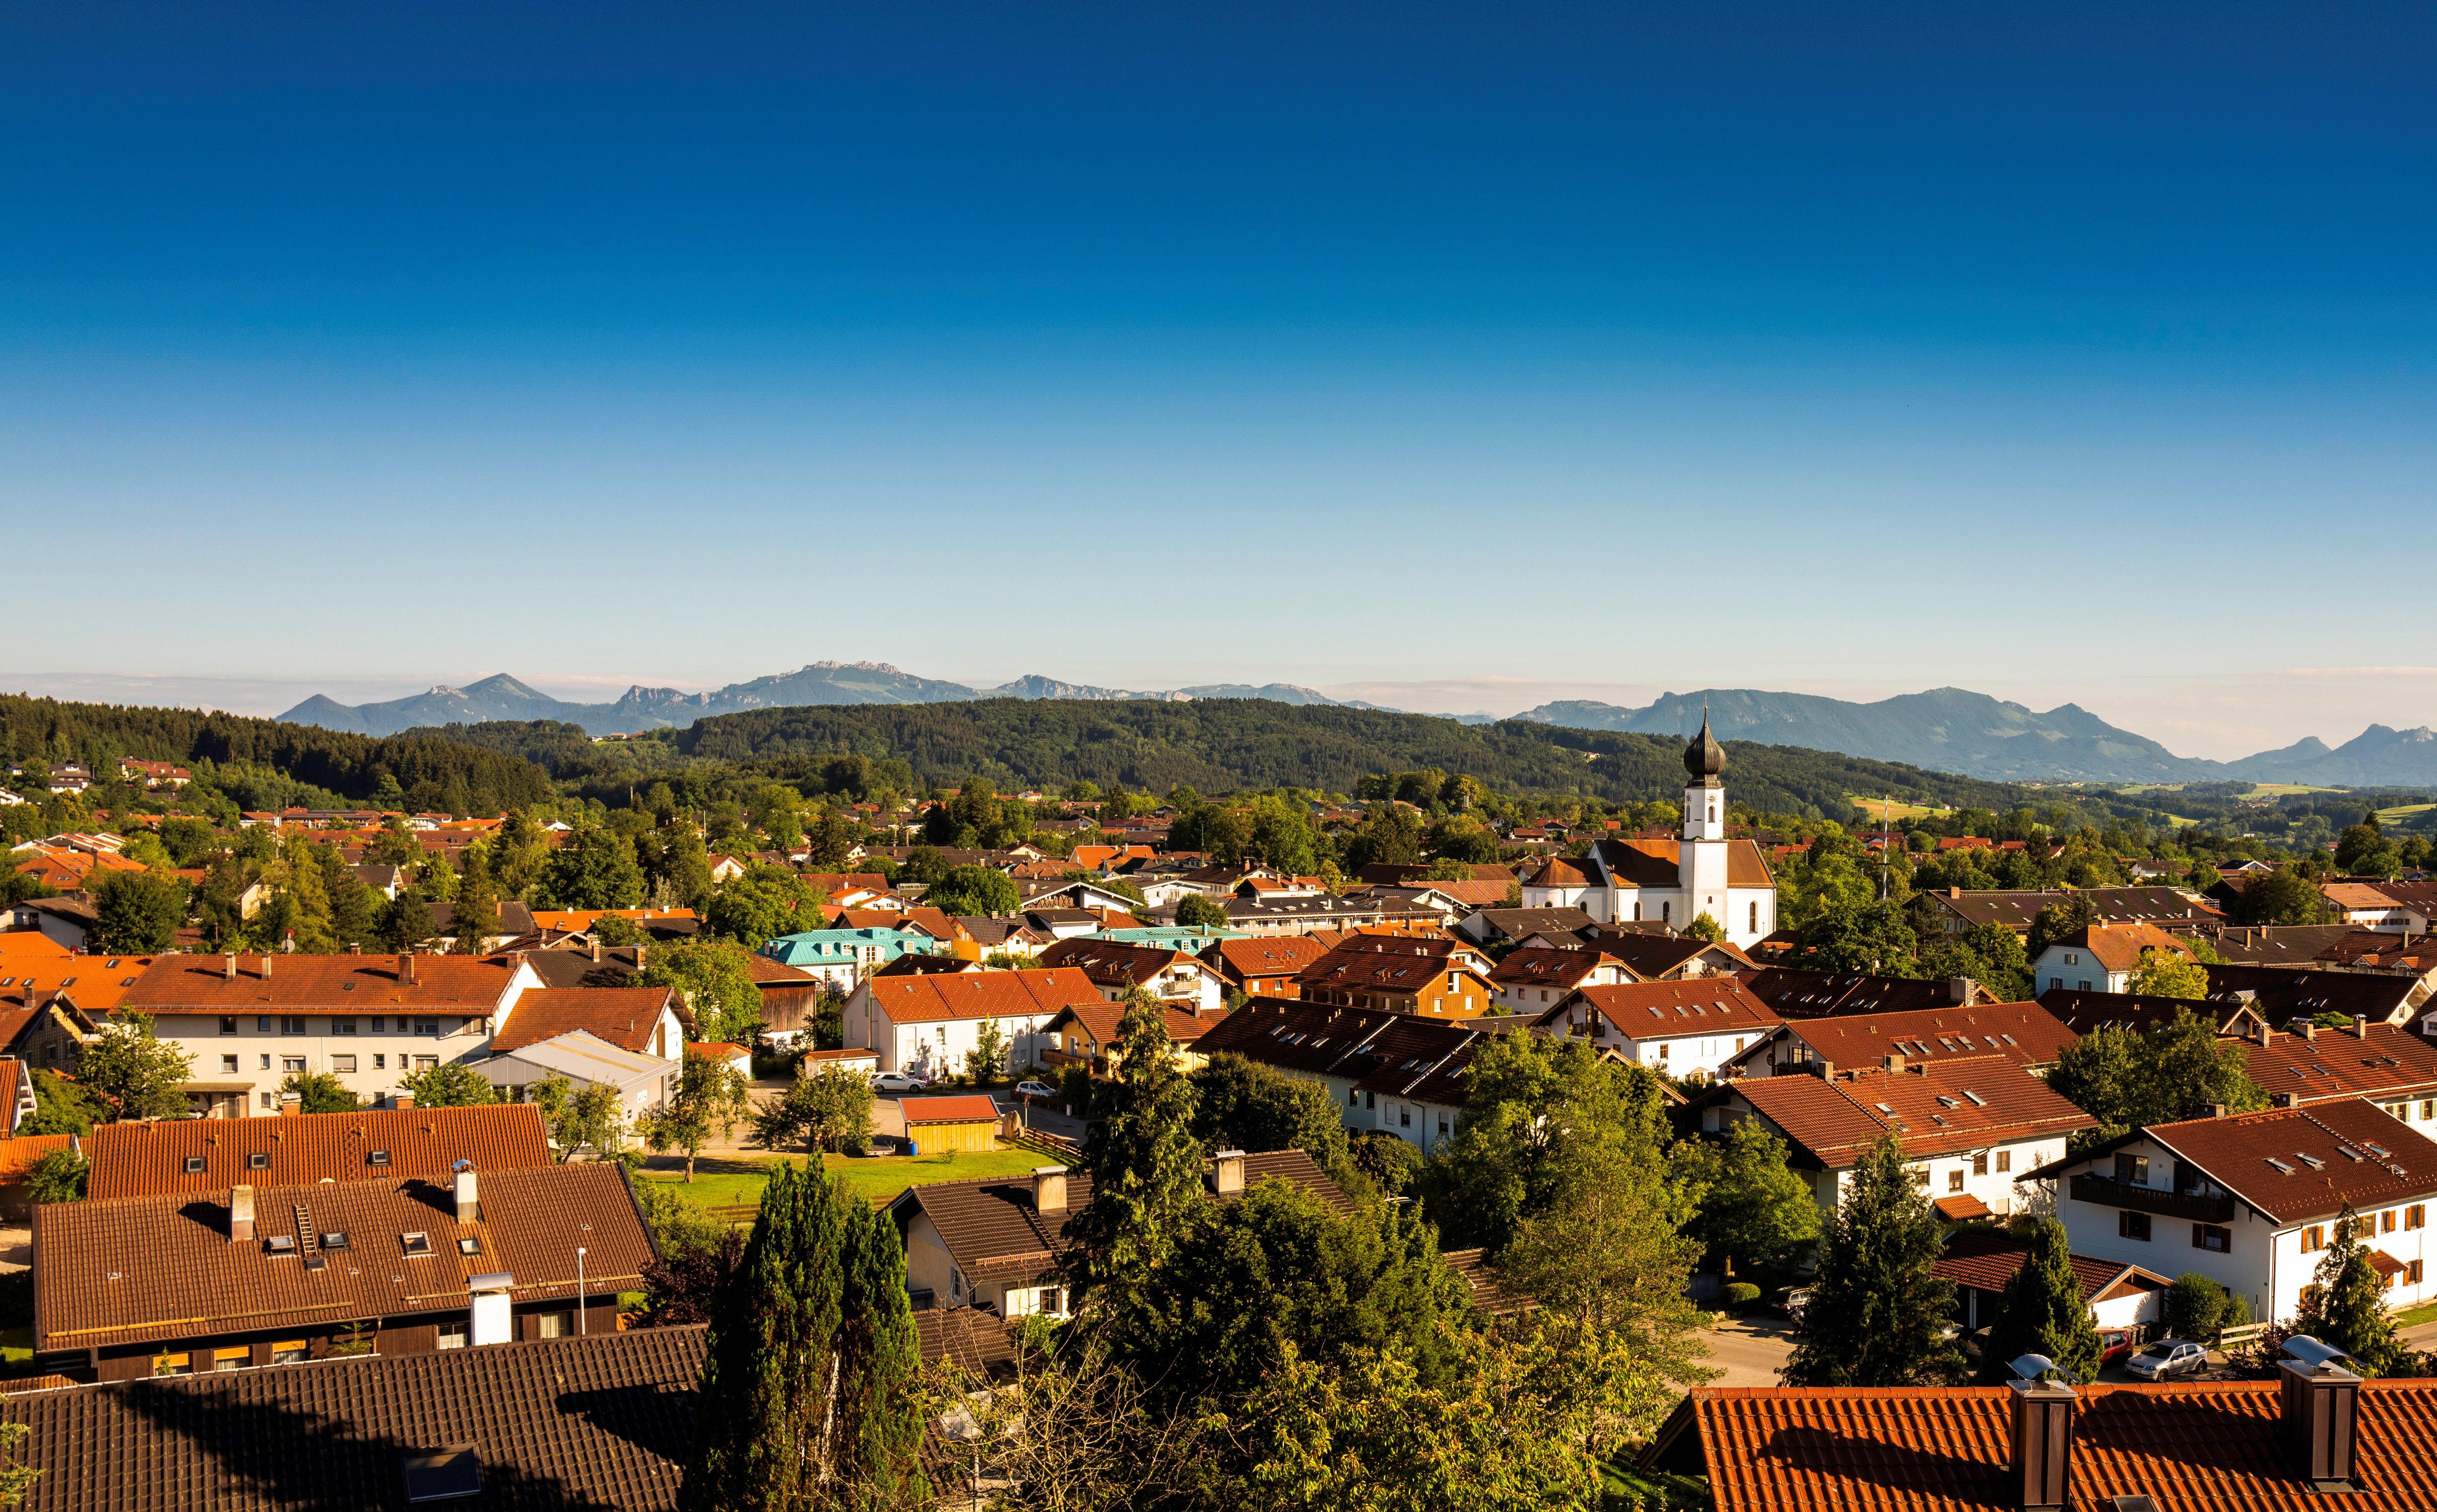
{"points": [[1671, 882]]}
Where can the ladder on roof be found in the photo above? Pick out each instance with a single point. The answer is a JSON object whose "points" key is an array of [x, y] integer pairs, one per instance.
{"points": [[307, 1239]]}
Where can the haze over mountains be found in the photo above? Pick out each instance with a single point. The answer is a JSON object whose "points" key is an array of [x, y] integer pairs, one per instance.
{"points": [[1948, 730]]}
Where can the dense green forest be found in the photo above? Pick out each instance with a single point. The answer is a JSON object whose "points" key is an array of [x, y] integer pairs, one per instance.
{"points": [[255, 761]]}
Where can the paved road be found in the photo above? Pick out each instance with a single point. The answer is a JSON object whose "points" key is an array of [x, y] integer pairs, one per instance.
{"points": [[1750, 1350]]}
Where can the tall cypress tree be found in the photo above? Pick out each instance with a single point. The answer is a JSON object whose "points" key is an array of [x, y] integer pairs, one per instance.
{"points": [[877, 1437], [1145, 1169], [1877, 1314], [771, 1359], [2042, 1313]]}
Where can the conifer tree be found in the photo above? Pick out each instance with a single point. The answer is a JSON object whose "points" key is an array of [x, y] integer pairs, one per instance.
{"points": [[876, 1443], [2346, 1304], [2042, 1313], [351, 902], [1145, 1169], [767, 1373], [478, 905], [1877, 1314], [308, 913]]}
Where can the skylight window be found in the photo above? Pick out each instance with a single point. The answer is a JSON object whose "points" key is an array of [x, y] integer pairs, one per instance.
{"points": [[280, 1244], [415, 1244], [2280, 1165], [259, 1160], [194, 1165], [335, 1240], [469, 1246], [380, 1157], [2310, 1160]]}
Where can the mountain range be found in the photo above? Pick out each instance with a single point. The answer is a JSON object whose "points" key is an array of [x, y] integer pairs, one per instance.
{"points": [[1948, 729]]}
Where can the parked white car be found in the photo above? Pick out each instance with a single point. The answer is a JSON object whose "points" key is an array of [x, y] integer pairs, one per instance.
{"points": [[2164, 1358], [897, 1081], [1035, 1089]]}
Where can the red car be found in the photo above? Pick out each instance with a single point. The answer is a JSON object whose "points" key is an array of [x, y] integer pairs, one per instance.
{"points": [[2113, 1345]]}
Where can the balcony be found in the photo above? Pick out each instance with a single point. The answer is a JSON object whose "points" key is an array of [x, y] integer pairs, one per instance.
{"points": [[2200, 1207]]}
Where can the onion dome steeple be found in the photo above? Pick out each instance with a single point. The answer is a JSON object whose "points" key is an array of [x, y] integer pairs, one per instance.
{"points": [[1704, 759]]}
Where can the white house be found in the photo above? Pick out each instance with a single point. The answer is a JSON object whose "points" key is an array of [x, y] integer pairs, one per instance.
{"points": [[1671, 882], [926, 1026], [1686, 1029], [2252, 1200], [1971, 1130], [2101, 957], [1981, 1263], [1393, 1072], [644, 1081]]}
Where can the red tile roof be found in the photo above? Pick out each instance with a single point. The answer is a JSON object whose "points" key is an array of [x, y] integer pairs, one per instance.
{"points": [[948, 1110], [1984, 1259], [979, 994], [2118, 948], [624, 1016], [1660, 1010], [96, 984], [1552, 967], [1101, 1021], [142, 1159], [131, 1268], [2296, 1163], [2189, 1446], [18, 1155], [2021, 1032], [1934, 1108], [2389, 1063], [1276, 956], [472, 985]]}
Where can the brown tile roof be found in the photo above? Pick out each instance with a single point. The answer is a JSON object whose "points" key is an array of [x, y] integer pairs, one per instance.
{"points": [[1101, 1021], [979, 994], [2189, 1446], [126, 1270], [1654, 863], [1397, 963], [1797, 994], [1932, 1108], [2016, 909], [1276, 956], [1295, 1034], [2025, 1033], [2236, 1152], [2275, 944], [602, 1422], [1559, 872], [624, 1016], [1550, 968], [1987, 1259], [1518, 923], [2390, 1062], [2083, 1012], [1650, 956], [576, 968], [1660, 1011], [1114, 964], [992, 1231], [1472, 895], [471, 985], [143, 1159], [1488, 1295], [976, 1109], [2285, 992], [969, 1338]]}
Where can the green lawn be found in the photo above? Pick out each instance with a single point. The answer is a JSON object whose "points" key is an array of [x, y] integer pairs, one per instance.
{"points": [[725, 1182], [17, 1345], [2414, 1317], [2386, 815], [1885, 811], [2285, 789]]}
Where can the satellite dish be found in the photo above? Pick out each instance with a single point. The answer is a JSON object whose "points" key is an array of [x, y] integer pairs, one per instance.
{"points": [[2031, 1368], [2315, 1353]]}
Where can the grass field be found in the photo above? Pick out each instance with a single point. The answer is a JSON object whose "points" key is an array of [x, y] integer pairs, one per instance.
{"points": [[2285, 789], [2404, 812], [733, 1183], [1886, 811]]}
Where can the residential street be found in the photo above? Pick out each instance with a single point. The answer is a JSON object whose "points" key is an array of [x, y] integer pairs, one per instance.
{"points": [[1750, 1350]]}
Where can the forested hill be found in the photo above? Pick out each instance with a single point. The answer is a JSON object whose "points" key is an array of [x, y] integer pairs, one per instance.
{"points": [[431, 774], [1221, 746]]}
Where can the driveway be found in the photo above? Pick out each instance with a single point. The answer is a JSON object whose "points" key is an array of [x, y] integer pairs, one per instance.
{"points": [[1750, 1350]]}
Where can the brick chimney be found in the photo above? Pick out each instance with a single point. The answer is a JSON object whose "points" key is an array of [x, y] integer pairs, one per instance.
{"points": [[241, 1215], [402, 1102], [1891, 1063], [291, 1105], [469, 1194], [1049, 1188], [406, 968], [1227, 1172], [2041, 1437]]}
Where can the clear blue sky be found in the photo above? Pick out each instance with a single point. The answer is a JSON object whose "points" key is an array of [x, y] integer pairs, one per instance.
{"points": [[2051, 351]]}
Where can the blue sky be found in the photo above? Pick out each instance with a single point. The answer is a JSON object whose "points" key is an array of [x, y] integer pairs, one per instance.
{"points": [[1461, 355]]}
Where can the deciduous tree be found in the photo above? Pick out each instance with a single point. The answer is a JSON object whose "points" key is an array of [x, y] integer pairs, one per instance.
{"points": [[1750, 1209], [139, 912], [132, 1073], [711, 1096], [448, 1084], [1878, 1311]]}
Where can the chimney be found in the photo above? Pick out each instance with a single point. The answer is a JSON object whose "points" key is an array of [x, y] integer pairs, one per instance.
{"points": [[2216, 1110], [1227, 1172], [2309, 1030], [2282, 1100], [1958, 990], [406, 968], [596, 952], [228, 967], [241, 1215], [2321, 1400], [355, 950], [291, 1105], [2360, 1026], [469, 1206], [1954, 892], [2042, 1438], [265, 966], [1892, 1062], [638, 958], [1827, 1070], [1049, 1188]]}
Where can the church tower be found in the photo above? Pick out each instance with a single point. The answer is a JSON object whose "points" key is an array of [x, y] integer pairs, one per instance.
{"points": [[1701, 858]]}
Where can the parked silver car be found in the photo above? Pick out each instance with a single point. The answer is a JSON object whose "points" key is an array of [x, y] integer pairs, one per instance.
{"points": [[2164, 1358]]}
